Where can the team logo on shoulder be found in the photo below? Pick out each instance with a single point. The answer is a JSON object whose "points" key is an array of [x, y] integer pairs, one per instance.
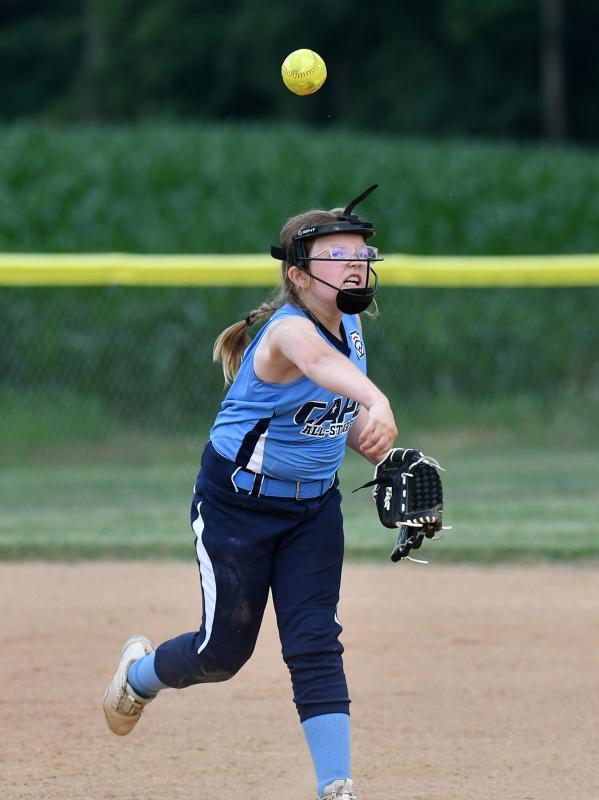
{"points": [[357, 343], [321, 419]]}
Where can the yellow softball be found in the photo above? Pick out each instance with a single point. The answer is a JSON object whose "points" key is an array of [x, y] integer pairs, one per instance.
{"points": [[303, 71]]}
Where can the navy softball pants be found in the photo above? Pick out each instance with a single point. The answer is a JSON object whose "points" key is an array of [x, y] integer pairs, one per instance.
{"points": [[245, 547]]}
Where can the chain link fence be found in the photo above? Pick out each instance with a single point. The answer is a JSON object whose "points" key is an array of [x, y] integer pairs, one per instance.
{"points": [[83, 364]]}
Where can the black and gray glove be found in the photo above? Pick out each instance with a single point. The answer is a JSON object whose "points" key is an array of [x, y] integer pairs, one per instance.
{"points": [[408, 494]]}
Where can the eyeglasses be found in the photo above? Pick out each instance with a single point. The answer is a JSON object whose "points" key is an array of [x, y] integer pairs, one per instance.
{"points": [[345, 253]]}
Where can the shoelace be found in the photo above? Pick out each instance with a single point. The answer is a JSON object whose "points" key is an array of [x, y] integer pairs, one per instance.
{"points": [[129, 705], [343, 796]]}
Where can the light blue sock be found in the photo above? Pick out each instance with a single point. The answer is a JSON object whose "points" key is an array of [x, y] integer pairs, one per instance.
{"points": [[143, 679], [328, 739]]}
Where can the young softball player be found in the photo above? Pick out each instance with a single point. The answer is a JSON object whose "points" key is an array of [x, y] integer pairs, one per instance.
{"points": [[266, 510]]}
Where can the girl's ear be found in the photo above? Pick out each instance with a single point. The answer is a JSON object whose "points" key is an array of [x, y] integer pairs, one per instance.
{"points": [[298, 277]]}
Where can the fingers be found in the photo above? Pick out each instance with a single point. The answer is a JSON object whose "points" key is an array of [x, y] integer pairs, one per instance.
{"points": [[377, 441], [376, 430], [378, 435], [367, 432], [377, 446]]}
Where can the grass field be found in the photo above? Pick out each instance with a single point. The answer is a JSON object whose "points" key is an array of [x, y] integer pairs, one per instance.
{"points": [[508, 496]]}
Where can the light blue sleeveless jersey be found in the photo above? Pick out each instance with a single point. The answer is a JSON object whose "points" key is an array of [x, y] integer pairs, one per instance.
{"points": [[292, 431]]}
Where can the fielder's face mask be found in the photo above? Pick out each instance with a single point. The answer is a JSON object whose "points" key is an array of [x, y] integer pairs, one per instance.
{"points": [[349, 301]]}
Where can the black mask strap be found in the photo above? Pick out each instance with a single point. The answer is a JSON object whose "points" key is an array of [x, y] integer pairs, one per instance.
{"points": [[353, 301]]}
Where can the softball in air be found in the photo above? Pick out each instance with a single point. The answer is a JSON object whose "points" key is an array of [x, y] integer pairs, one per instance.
{"points": [[303, 72]]}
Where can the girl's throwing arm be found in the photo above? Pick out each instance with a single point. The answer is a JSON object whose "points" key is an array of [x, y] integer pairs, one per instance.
{"points": [[296, 340]]}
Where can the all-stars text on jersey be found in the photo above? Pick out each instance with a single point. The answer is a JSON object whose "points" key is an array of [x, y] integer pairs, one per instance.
{"points": [[332, 422]]}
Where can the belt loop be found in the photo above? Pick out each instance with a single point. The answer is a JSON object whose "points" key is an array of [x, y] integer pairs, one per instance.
{"points": [[297, 490], [233, 479]]}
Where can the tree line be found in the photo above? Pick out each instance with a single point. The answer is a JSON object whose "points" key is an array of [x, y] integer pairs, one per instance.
{"points": [[523, 69]]}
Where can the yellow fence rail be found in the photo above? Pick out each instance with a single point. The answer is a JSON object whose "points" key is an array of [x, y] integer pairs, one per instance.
{"points": [[125, 269]]}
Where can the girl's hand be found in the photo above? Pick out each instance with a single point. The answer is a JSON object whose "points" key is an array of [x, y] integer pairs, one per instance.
{"points": [[380, 431]]}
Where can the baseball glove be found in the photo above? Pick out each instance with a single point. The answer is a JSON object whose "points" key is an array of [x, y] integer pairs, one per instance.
{"points": [[408, 494]]}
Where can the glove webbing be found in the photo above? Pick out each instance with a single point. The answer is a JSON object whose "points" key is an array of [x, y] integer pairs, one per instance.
{"points": [[426, 489]]}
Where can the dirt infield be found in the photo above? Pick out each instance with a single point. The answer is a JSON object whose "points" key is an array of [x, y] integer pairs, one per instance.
{"points": [[467, 684]]}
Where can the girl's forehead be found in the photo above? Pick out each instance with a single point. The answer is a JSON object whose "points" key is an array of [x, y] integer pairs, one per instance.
{"points": [[335, 240]]}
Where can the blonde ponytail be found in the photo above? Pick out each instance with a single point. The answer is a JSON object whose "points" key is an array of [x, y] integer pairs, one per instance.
{"points": [[230, 345]]}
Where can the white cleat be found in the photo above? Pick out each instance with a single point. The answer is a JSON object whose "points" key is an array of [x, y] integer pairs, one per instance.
{"points": [[122, 706], [339, 790]]}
